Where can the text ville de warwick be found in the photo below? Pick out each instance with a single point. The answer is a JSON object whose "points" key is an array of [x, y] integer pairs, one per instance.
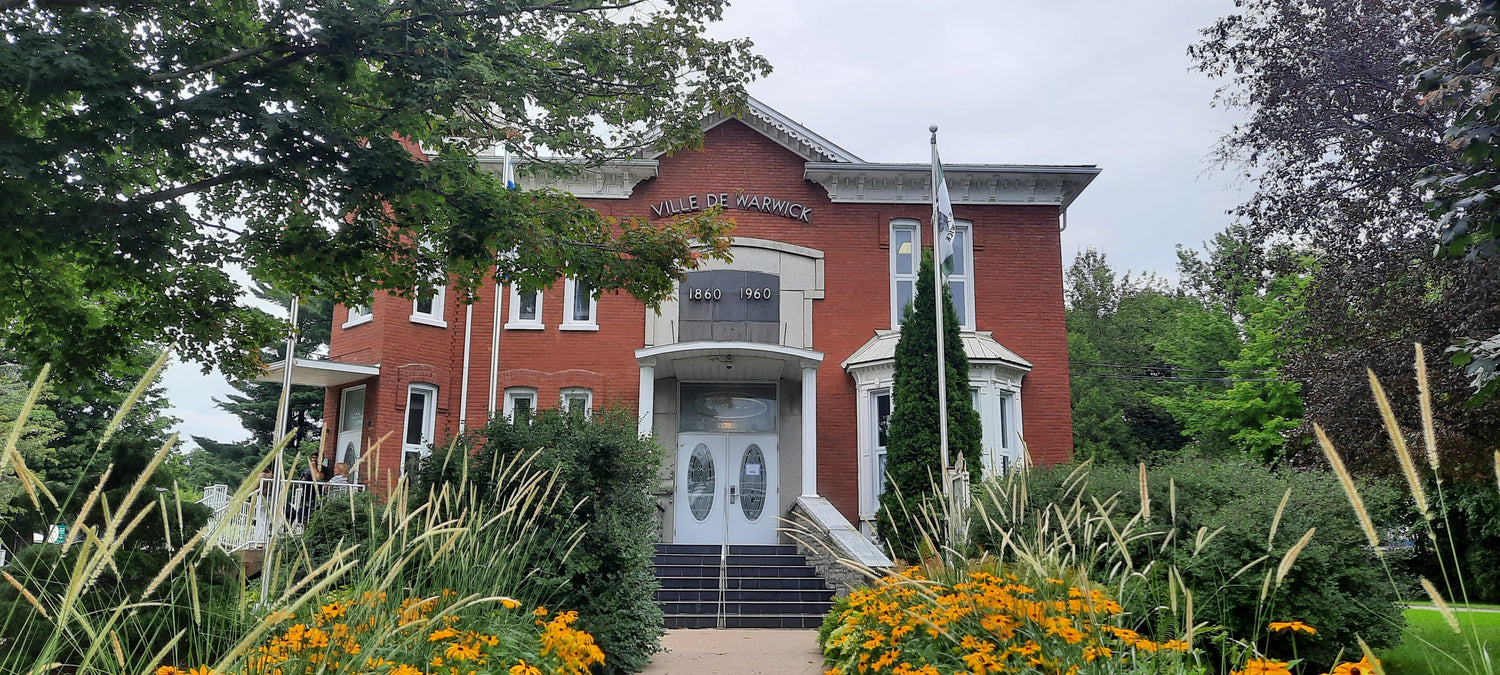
{"points": [[742, 201]]}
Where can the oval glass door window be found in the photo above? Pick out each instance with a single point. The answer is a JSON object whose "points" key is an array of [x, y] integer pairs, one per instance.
{"points": [[701, 482], [753, 483]]}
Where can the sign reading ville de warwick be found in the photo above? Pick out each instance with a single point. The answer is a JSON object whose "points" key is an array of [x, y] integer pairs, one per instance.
{"points": [[741, 201]]}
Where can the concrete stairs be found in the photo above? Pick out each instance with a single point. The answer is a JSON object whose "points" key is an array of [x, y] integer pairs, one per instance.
{"points": [[707, 586]]}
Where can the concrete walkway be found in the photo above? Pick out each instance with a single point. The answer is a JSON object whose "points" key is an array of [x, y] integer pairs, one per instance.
{"points": [[742, 651]]}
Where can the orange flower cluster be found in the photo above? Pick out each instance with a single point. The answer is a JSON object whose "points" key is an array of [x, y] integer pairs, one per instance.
{"points": [[987, 623], [417, 637]]}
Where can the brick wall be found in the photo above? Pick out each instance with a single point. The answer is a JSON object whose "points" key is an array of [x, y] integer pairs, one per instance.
{"points": [[1018, 293]]}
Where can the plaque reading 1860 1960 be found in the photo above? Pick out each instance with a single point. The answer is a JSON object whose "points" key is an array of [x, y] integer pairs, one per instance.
{"points": [[729, 305]]}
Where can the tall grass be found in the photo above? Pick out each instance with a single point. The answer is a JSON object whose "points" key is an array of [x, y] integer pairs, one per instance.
{"points": [[1116, 542], [475, 553]]}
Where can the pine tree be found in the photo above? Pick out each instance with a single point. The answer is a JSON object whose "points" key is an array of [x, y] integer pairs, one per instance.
{"points": [[913, 455]]}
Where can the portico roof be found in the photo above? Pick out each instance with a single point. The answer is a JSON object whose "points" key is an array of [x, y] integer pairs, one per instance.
{"points": [[320, 372], [728, 360], [979, 346]]}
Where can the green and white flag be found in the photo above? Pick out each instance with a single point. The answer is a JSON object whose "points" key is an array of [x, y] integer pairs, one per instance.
{"points": [[943, 212]]}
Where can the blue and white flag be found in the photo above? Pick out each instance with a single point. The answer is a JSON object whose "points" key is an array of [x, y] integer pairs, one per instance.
{"points": [[509, 174], [942, 212]]}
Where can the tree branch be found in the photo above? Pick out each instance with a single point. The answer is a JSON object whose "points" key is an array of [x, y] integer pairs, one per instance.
{"points": [[214, 63]]}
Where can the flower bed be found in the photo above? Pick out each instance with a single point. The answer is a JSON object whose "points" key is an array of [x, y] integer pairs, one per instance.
{"points": [[443, 635], [990, 620], [986, 623]]}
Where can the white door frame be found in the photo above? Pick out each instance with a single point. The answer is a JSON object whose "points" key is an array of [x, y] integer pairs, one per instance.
{"points": [[726, 520], [351, 438]]}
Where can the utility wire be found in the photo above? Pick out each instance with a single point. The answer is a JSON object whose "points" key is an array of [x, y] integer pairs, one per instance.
{"points": [[1173, 368], [1175, 378]]}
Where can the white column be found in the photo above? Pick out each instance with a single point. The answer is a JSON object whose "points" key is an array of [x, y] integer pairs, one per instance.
{"points": [[809, 430], [646, 409]]}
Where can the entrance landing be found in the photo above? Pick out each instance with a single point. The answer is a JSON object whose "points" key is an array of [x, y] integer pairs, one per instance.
{"points": [[738, 651]]}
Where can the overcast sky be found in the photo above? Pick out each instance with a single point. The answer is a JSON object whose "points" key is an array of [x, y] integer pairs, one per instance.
{"points": [[1038, 82]]}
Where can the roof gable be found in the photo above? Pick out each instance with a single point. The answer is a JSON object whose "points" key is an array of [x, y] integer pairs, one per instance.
{"points": [[783, 130]]}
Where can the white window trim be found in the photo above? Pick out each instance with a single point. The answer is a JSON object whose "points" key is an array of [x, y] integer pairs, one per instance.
{"points": [[902, 224], [570, 289], [429, 421], [512, 393], [967, 228], [439, 298], [877, 481], [355, 318], [588, 403], [515, 322]]}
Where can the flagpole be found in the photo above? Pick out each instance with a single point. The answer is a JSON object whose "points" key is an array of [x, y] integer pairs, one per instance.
{"points": [[942, 365], [273, 501]]}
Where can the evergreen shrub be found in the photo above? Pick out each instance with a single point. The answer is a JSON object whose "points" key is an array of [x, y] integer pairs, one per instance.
{"points": [[913, 453]]}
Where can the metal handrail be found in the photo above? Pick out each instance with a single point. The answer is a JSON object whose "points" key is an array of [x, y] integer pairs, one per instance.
{"points": [[248, 526]]}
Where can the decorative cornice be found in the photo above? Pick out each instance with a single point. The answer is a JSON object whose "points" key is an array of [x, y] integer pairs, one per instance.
{"points": [[613, 180], [967, 183], [783, 130]]}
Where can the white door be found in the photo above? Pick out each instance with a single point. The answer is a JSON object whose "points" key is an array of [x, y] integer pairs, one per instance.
{"points": [[726, 489], [351, 427]]}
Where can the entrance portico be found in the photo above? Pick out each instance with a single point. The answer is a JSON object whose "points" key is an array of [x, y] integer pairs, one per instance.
{"points": [[743, 417]]}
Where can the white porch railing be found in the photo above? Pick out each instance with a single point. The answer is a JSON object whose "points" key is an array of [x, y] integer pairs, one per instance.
{"points": [[248, 525]]}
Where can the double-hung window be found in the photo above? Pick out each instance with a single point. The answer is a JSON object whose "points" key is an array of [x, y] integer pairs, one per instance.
{"points": [[577, 400], [906, 262], [961, 279], [520, 403], [881, 418], [360, 313], [579, 306], [525, 309], [427, 307], [421, 414]]}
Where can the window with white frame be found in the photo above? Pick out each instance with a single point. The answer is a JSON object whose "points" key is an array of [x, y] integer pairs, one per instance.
{"points": [[961, 279], [359, 314], [579, 306], [577, 400], [906, 263], [427, 307], [421, 417], [1006, 429], [520, 403], [525, 309], [880, 417]]}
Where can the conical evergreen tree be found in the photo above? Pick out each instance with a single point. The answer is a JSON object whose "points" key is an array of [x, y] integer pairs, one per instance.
{"points": [[913, 453]]}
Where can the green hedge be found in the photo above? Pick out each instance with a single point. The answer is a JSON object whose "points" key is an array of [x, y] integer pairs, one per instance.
{"points": [[607, 471], [1337, 583]]}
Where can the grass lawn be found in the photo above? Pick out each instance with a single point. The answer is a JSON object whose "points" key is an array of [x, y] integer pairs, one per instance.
{"points": [[1415, 657]]}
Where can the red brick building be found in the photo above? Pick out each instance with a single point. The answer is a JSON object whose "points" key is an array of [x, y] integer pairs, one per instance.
{"points": [[770, 375]]}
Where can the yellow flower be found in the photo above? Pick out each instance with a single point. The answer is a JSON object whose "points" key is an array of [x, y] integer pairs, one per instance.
{"points": [[1293, 626], [539, 611], [201, 670], [1263, 667], [1360, 667], [523, 669], [509, 603], [462, 651], [441, 634], [404, 669]]}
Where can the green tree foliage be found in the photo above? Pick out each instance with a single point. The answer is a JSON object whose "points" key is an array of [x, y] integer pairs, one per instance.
{"points": [[1465, 191], [256, 402], [147, 146], [1335, 139], [607, 471], [1138, 349], [914, 470], [34, 444]]}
